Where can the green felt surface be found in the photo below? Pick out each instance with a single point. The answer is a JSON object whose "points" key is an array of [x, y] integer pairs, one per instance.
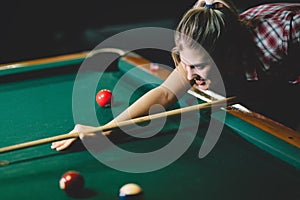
{"points": [[269, 143], [41, 107]]}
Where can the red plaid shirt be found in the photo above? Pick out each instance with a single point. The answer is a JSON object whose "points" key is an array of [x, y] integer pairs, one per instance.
{"points": [[276, 26]]}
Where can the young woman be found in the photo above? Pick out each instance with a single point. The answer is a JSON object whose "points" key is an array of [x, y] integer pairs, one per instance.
{"points": [[257, 52], [237, 45]]}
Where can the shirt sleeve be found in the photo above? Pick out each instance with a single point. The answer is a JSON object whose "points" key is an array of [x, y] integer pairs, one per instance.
{"points": [[275, 27]]}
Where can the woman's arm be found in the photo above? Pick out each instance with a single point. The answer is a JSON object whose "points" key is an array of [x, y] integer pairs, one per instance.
{"points": [[173, 88]]}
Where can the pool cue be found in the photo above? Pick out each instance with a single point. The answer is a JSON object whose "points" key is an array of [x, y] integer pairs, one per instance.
{"points": [[115, 125]]}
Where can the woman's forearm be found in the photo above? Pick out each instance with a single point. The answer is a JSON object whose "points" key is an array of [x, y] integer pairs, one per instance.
{"points": [[164, 95], [141, 107]]}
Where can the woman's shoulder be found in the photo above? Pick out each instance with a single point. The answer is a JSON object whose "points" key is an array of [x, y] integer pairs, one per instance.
{"points": [[271, 10]]}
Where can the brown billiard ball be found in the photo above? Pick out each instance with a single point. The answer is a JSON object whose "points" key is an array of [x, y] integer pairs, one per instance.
{"points": [[71, 182], [104, 98]]}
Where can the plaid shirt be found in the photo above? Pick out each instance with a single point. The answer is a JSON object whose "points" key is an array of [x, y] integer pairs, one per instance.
{"points": [[275, 26]]}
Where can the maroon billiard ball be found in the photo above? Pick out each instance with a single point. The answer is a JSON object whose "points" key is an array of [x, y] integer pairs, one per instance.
{"points": [[104, 98], [71, 182]]}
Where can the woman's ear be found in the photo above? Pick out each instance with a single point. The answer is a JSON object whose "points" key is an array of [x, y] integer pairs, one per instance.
{"points": [[175, 56]]}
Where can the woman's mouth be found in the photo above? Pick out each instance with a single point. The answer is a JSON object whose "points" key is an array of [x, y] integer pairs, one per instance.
{"points": [[200, 81]]}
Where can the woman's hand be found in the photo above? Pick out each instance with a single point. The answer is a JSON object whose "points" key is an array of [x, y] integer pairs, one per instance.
{"points": [[64, 144]]}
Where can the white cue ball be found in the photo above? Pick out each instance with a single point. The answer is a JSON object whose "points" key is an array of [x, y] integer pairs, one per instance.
{"points": [[130, 189]]}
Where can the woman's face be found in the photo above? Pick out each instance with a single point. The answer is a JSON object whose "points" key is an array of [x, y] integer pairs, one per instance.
{"points": [[198, 66]]}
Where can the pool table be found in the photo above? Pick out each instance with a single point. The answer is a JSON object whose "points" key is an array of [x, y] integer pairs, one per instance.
{"points": [[37, 102]]}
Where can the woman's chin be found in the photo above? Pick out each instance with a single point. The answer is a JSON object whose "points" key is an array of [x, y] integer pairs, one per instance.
{"points": [[203, 87]]}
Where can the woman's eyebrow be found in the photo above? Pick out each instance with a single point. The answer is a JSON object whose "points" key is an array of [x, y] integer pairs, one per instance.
{"points": [[203, 64]]}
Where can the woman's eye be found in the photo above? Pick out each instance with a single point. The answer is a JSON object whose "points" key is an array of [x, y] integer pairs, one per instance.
{"points": [[200, 66]]}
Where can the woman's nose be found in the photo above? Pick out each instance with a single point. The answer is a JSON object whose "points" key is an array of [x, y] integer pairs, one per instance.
{"points": [[189, 73]]}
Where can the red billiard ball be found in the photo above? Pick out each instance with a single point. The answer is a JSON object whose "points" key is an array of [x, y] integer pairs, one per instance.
{"points": [[104, 98], [71, 182]]}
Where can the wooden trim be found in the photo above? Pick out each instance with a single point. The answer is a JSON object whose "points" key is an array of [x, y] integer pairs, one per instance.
{"points": [[270, 126], [145, 65], [40, 61]]}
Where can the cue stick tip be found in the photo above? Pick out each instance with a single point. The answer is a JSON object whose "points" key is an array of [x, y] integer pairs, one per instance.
{"points": [[4, 163]]}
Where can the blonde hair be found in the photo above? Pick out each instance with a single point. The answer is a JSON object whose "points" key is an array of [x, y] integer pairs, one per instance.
{"points": [[200, 25], [220, 32]]}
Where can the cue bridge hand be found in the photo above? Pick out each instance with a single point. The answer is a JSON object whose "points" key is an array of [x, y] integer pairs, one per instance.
{"points": [[92, 141], [64, 144]]}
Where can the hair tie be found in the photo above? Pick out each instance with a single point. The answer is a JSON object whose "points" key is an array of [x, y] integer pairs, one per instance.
{"points": [[208, 6]]}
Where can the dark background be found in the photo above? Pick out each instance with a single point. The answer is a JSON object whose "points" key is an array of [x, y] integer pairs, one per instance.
{"points": [[34, 29]]}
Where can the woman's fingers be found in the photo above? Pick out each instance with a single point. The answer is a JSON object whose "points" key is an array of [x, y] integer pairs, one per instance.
{"points": [[81, 129], [61, 145]]}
